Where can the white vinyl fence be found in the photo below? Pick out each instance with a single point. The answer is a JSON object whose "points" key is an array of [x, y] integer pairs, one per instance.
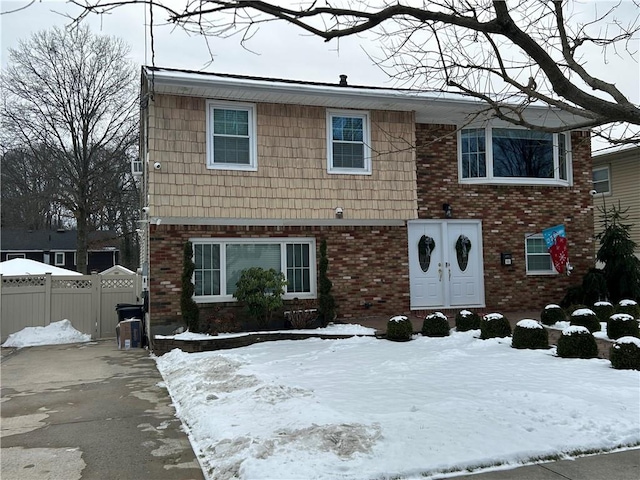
{"points": [[87, 301]]}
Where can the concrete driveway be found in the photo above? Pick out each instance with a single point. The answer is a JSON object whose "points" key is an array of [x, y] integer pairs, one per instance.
{"points": [[89, 411]]}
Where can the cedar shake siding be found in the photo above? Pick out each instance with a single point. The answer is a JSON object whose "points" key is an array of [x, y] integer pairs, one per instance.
{"points": [[367, 265], [508, 213], [291, 181]]}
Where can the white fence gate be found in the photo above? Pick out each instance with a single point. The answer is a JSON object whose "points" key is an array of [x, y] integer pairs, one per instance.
{"points": [[87, 301]]}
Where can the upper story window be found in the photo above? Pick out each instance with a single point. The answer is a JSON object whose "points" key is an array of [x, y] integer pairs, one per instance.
{"points": [[601, 180], [231, 136], [510, 155], [58, 259], [348, 142]]}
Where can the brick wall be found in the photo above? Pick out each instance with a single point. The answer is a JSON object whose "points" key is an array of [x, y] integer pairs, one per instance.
{"points": [[508, 213], [367, 265]]}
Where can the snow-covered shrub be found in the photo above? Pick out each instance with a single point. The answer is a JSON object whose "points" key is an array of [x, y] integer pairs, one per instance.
{"points": [[399, 329], [585, 317], [467, 320], [629, 307], [603, 310], [552, 314], [625, 354], [577, 342], [435, 325], [622, 325], [494, 325], [530, 334]]}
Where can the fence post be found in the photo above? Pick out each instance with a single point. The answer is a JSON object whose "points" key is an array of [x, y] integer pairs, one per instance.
{"points": [[47, 299], [96, 304]]}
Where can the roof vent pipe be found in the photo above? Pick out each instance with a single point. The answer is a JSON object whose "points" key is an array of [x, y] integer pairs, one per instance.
{"points": [[343, 81]]}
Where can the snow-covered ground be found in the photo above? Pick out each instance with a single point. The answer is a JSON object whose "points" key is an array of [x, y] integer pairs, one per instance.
{"points": [[363, 408], [55, 333]]}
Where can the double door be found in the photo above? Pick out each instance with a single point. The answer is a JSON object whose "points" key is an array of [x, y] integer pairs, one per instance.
{"points": [[445, 264]]}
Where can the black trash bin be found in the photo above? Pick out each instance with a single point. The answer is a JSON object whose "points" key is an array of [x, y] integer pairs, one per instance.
{"points": [[128, 310]]}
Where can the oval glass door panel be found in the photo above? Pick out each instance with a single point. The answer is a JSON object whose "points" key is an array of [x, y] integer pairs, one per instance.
{"points": [[426, 246], [463, 247]]}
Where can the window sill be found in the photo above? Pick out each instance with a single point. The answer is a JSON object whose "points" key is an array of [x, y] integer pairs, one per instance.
{"points": [[231, 166], [540, 274], [348, 172], [232, 299], [515, 183]]}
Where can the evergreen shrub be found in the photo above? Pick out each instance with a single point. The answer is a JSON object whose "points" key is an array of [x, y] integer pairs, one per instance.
{"points": [[494, 325], [577, 342], [585, 317], [530, 334], [603, 310], [625, 354], [188, 307], [435, 325], [629, 307], [467, 320], [261, 293], [552, 314], [622, 325], [399, 329]]}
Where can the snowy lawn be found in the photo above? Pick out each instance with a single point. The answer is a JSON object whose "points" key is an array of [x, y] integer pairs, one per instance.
{"points": [[363, 408]]}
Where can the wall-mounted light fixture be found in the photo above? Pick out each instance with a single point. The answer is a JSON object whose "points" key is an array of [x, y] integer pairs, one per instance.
{"points": [[448, 211], [339, 212]]}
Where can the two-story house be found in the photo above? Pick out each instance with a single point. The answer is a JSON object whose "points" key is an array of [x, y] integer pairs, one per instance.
{"points": [[425, 201], [616, 182]]}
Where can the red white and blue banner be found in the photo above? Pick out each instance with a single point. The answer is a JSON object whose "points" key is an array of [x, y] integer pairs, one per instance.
{"points": [[556, 240]]}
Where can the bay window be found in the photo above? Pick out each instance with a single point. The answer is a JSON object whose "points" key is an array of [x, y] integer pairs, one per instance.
{"points": [[513, 155]]}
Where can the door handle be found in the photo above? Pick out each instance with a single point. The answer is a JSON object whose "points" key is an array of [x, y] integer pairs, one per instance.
{"points": [[439, 272]]}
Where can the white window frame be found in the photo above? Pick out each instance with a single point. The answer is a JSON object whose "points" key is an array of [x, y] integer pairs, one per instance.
{"points": [[282, 241], [253, 141], [366, 142], [11, 256], [55, 259], [608, 170], [536, 236], [557, 180]]}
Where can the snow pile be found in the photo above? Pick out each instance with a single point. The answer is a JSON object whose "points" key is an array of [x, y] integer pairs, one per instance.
{"points": [[364, 408], [528, 323], [602, 304], [465, 313], [331, 329], [56, 333], [581, 312], [493, 316], [440, 315], [551, 305], [398, 318], [626, 303]]}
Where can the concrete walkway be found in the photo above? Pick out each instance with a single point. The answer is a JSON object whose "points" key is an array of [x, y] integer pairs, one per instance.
{"points": [[89, 411]]}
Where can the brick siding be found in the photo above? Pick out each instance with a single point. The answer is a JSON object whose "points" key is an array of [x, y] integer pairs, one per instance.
{"points": [[367, 265], [508, 213]]}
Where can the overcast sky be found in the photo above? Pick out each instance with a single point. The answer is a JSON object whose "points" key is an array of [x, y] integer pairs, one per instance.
{"points": [[280, 50]]}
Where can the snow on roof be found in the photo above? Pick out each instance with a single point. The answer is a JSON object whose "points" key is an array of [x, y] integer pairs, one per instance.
{"points": [[117, 269], [23, 266]]}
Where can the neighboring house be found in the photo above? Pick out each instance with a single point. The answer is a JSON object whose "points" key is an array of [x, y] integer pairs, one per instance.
{"points": [[425, 203], [616, 180], [58, 248]]}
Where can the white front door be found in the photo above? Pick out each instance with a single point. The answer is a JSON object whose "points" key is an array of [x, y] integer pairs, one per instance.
{"points": [[445, 263]]}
